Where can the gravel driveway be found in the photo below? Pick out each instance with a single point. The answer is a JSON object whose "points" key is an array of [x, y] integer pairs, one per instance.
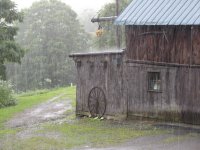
{"points": [[53, 109]]}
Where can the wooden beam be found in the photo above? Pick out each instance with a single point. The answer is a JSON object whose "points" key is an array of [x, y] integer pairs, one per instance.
{"points": [[103, 19]]}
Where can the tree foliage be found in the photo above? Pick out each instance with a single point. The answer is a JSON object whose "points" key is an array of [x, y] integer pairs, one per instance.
{"points": [[108, 38], [50, 32], [9, 49], [6, 94], [85, 19]]}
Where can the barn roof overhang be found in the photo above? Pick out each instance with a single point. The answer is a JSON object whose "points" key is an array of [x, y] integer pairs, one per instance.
{"points": [[96, 53]]}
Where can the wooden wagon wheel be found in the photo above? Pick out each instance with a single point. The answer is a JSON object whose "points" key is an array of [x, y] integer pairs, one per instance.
{"points": [[97, 102]]}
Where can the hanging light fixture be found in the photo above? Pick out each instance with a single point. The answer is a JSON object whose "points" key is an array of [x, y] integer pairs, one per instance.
{"points": [[99, 32]]}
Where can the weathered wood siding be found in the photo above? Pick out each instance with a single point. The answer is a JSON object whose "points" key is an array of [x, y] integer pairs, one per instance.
{"points": [[174, 51], [179, 99], [171, 44], [125, 84], [92, 72]]}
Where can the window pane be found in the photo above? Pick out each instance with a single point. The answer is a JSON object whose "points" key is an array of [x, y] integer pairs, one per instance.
{"points": [[154, 82]]}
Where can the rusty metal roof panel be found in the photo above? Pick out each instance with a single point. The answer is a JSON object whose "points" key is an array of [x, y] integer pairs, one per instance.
{"points": [[161, 12]]}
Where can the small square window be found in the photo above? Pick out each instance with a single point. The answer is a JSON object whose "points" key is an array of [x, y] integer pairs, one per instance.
{"points": [[154, 81]]}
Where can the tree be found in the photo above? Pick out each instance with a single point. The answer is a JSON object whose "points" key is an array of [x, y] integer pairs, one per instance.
{"points": [[50, 32], [85, 19], [10, 51], [108, 38]]}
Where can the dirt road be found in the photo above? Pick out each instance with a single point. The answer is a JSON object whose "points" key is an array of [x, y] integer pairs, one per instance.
{"points": [[53, 109]]}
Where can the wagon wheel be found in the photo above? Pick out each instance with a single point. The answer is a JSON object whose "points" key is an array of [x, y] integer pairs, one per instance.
{"points": [[97, 102]]}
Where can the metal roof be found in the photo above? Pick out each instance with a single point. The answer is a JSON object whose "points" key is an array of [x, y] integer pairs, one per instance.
{"points": [[161, 12]]}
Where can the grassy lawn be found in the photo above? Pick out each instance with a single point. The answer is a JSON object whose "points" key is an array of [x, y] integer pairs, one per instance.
{"points": [[71, 132], [96, 133], [29, 100], [80, 133]]}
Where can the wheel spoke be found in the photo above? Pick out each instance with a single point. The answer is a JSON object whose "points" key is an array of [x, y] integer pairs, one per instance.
{"points": [[96, 93], [100, 96], [93, 94], [93, 109], [92, 100]]}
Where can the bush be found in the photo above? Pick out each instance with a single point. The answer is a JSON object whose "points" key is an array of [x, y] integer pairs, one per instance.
{"points": [[6, 94]]}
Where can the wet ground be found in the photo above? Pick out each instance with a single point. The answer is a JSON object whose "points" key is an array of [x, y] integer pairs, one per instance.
{"points": [[54, 111], [178, 137], [157, 143]]}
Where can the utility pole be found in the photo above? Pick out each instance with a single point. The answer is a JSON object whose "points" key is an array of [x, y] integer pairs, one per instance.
{"points": [[117, 27], [111, 18]]}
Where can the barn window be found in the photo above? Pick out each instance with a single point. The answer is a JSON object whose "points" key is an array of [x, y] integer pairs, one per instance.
{"points": [[154, 81]]}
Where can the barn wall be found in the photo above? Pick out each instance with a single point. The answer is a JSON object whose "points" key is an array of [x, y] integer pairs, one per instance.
{"points": [[179, 99], [171, 44], [92, 73], [125, 84]]}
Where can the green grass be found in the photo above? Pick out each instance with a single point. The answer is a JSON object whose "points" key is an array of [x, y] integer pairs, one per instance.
{"points": [[34, 143], [73, 133], [79, 133], [96, 133], [29, 100], [7, 131], [31, 93]]}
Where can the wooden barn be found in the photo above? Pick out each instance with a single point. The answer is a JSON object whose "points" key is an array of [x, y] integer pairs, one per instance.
{"points": [[156, 76]]}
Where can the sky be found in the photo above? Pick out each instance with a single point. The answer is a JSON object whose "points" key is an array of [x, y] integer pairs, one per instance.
{"points": [[76, 5]]}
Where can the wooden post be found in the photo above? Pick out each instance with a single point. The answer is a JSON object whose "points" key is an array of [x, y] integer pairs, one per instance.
{"points": [[117, 28]]}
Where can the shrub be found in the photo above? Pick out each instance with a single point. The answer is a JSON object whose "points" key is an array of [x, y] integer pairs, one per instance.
{"points": [[6, 94]]}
